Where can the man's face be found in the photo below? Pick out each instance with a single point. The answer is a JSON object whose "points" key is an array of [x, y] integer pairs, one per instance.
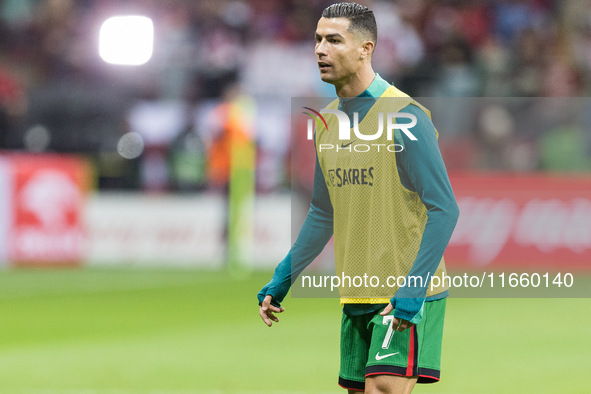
{"points": [[338, 51]]}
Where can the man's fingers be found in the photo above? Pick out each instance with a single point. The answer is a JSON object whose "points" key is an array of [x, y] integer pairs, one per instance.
{"points": [[266, 302], [266, 305], [387, 309], [273, 308], [401, 325], [266, 311], [264, 316], [397, 324]]}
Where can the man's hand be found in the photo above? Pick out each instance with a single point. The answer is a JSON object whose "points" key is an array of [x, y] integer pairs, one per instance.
{"points": [[397, 325], [266, 311]]}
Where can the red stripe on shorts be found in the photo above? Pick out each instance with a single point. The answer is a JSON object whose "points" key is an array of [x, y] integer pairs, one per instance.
{"points": [[411, 353]]}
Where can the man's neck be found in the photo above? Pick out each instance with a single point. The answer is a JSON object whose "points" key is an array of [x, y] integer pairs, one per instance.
{"points": [[357, 84]]}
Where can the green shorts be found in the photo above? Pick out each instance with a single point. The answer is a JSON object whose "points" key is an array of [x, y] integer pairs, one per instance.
{"points": [[370, 347]]}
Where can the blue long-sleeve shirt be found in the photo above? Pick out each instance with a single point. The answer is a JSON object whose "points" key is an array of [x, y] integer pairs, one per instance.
{"points": [[421, 169]]}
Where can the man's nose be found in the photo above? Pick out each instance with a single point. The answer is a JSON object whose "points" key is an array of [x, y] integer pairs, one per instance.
{"points": [[320, 49]]}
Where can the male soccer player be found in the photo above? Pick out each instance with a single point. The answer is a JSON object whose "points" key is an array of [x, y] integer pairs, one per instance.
{"points": [[392, 213]]}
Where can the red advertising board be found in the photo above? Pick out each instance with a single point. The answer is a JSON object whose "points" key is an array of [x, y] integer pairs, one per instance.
{"points": [[46, 197], [534, 221]]}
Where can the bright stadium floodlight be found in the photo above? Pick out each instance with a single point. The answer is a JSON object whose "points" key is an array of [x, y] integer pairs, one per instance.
{"points": [[126, 40]]}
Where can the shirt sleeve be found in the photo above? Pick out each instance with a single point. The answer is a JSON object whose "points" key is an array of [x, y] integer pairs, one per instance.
{"points": [[315, 233], [423, 171]]}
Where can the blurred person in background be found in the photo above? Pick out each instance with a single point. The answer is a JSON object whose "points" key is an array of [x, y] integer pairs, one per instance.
{"points": [[13, 105], [394, 218], [528, 70]]}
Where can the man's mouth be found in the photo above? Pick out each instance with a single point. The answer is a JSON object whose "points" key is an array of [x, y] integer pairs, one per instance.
{"points": [[323, 66]]}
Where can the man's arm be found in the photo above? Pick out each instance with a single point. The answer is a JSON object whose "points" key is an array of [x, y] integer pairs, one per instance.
{"points": [[313, 237], [423, 170]]}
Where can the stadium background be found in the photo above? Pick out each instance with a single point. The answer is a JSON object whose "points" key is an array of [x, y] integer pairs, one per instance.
{"points": [[122, 174]]}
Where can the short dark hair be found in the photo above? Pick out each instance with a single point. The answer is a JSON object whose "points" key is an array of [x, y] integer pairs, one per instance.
{"points": [[360, 17]]}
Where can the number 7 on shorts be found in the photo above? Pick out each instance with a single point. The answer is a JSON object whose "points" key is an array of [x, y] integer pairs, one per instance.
{"points": [[389, 333]]}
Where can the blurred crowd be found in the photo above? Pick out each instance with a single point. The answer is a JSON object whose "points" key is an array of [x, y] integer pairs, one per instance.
{"points": [[164, 125]]}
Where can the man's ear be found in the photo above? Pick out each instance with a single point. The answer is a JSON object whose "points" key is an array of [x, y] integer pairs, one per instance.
{"points": [[367, 49]]}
